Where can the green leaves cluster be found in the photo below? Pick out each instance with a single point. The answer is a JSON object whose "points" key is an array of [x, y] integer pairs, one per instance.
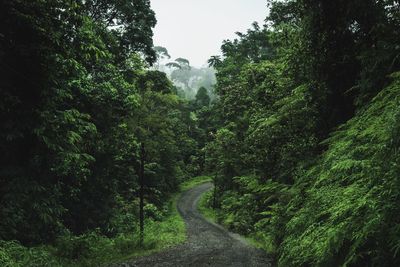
{"points": [[305, 156], [351, 206], [76, 100]]}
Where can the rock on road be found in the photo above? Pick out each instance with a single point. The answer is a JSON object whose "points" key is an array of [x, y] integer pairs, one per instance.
{"points": [[207, 244]]}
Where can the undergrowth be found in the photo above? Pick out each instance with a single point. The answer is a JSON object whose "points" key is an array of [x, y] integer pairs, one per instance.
{"points": [[162, 230], [342, 210]]}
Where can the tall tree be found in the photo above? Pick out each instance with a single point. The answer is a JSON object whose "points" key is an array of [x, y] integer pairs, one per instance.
{"points": [[202, 98]]}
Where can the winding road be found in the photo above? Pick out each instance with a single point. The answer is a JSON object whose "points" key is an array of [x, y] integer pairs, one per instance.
{"points": [[208, 244]]}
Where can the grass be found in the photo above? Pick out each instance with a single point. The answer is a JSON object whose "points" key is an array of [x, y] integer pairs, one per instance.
{"points": [[186, 185], [171, 231], [158, 235], [261, 241], [257, 239], [94, 249], [167, 233], [205, 209]]}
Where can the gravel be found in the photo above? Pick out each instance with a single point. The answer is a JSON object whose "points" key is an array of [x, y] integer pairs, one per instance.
{"points": [[207, 244]]}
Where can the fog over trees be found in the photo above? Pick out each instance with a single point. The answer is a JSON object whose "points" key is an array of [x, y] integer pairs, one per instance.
{"points": [[294, 129], [186, 78]]}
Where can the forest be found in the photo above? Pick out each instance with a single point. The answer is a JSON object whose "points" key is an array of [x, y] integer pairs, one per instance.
{"points": [[299, 133]]}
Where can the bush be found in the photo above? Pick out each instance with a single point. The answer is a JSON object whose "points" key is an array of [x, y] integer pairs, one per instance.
{"points": [[349, 214], [13, 254]]}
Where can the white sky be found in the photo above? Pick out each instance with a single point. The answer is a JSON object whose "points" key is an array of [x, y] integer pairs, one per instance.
{"points": [[195, 29]]}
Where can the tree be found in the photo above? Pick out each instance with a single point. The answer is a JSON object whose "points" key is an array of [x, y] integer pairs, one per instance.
{"points": [[183, 62], [214, 61], [132, 23], [161, 54], [66, 98], [156, 80], [164, 142], [295, 157], [202, 98]]}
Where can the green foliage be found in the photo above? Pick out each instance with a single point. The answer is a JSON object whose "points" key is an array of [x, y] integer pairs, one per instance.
{"points": [[285, 139], [252, 211], [93, 249], [194, 181], [348, 215], [13, 254], [162, 52], [202, 97], [304, 155], [301, 141], [132, 20], [205, 206], [76, 100]]}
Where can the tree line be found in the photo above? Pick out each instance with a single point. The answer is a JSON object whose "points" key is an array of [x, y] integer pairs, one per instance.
{"points": [[301, 137], [305, 158], [92, 139]]}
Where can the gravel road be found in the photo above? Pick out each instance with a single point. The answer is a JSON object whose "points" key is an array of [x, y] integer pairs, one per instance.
{"points": [[208, 244]]}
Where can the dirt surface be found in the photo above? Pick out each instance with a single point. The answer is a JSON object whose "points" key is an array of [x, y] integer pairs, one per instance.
{"points": [[208, 244]]}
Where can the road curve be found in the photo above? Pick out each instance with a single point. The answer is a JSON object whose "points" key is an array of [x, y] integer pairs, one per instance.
{"points": [[208, 244]]}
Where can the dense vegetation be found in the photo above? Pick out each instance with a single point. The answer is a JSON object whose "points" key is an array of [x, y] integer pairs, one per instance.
{"points": [[93, 142], [300, 136], [306, 158]]}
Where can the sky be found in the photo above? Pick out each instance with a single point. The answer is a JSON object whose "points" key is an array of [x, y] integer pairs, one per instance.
{"points": [[195, 29]]}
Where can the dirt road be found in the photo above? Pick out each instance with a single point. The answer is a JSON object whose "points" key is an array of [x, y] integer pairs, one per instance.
{"points": [[207, 244]]}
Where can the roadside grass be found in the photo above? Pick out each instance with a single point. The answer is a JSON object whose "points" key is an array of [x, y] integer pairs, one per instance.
{"points": [[167, 233], [186, 185], [204, 206], [257, 239], [158, 236], [94, 249]]}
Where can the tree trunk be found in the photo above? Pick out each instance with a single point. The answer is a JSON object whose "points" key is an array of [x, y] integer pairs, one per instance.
{"points": [[141, 193], [215, 193]]}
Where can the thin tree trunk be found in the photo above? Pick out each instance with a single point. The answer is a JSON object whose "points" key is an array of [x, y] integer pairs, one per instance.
{"points": [[141, 193], [215, 192]]}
